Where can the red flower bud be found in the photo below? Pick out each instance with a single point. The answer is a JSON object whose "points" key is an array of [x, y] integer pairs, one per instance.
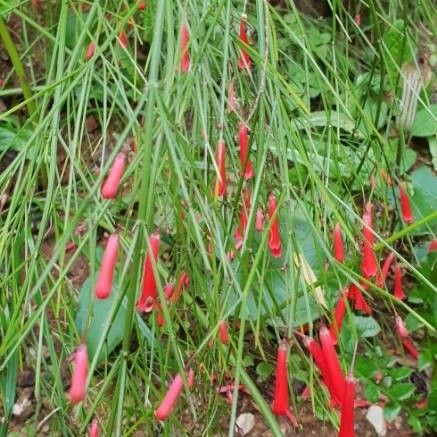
{"points": [[382, 277], [401, 328], [141, 6], [244, 62], [360, 303], [172, 395], [80, 374], [223, 332], [410, 348], [244, 212], [369, 267], [432, 247], [243, 139], [317, 354], [338, 243], [122, 39], [280, 400], [183, 282], [147, 300], [357, 20], [110, 186], [259, 220], [104, 280], [407, 215], [89, 53], [347, 409], [274, 237], [339, 313], [220, 185], [185, 55], [398, 291], [332, 363], [94, 430], [168, 291]]}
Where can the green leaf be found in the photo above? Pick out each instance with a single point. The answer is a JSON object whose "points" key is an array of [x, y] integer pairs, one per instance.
{"points": [[365, 367], [367, 326], [396, 44], [425, 123], [415, 423], [424, 199], [264, 370], [401, 391], [400, 373], [371, 392], [100, 319], [391, 411], [11, 138]]}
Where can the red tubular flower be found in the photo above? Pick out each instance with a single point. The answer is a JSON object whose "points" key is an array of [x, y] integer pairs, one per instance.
{"points": [[357, 20], [172, 395], [338, 243], [280, 400], [104, 280], [398, 291], [407, 215], [274, 237], [401, 328], [355, 295], [369, 267], [185, 55], [244, 212], [381, 278], [147, 299], [259, 220], [332, 363], [94, 430], [169, 290], [410, 348], [220, 185], [122, 40], [110, 186], [244, 63], [80, 374], [317, 354], [432, 247], [223, 332], [243, 140], [183, 282], [89, 53], [339, 313], [347, 409]]}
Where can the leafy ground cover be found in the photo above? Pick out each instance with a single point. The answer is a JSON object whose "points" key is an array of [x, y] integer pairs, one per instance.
{"points": [[218, 218]]}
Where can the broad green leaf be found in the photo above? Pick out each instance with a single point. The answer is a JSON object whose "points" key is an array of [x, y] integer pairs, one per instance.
{"points": [[424, 199], [264, 370], [401, 391], [367, 326], [100, 318], [371, 392], [391, 411], [425, 123]]}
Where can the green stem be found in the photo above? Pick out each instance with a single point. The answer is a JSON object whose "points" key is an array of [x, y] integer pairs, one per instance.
{"points": [[406, 230], [18, 66], [144, 209]]}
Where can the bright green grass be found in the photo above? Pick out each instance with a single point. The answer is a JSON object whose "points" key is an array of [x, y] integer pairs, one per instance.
{"points": [[321, 126]]}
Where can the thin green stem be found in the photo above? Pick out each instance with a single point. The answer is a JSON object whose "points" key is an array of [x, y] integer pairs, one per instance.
{"points": [[18, 65]]}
